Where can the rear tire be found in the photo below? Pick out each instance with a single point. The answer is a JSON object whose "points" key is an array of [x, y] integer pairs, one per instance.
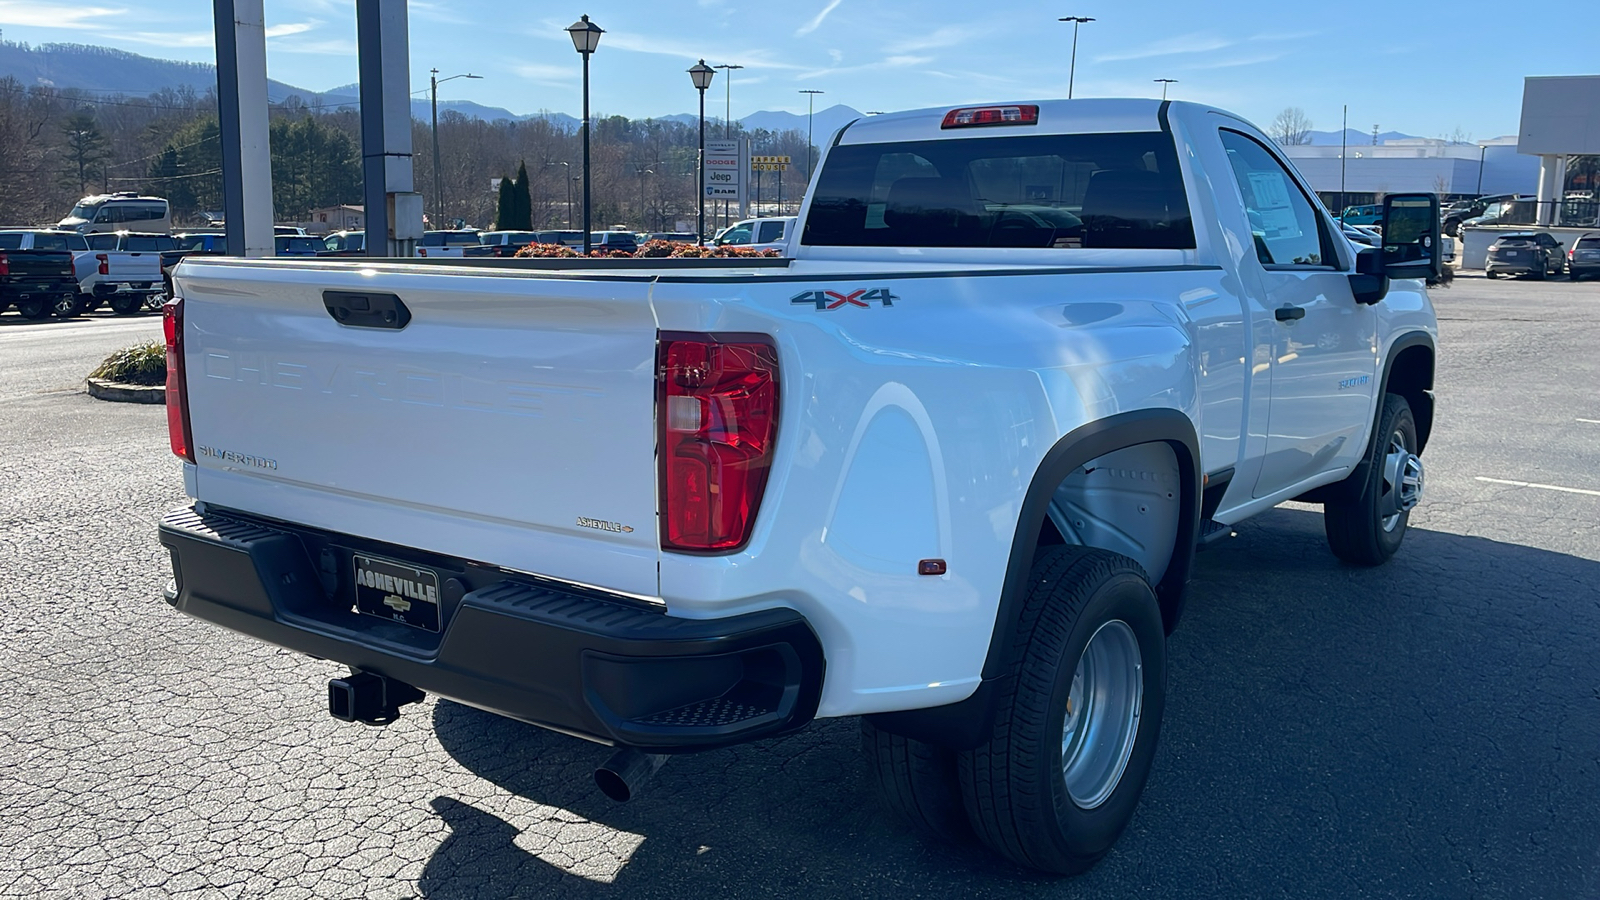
{"points": [[127, 306], [916, 782], [1490, 273], [34, 308], [67, 306], [1367, 513], [1076, 720]]}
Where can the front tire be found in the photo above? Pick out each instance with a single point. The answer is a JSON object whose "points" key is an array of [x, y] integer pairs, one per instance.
{"points": [[1366, 519], [1077, 719]]}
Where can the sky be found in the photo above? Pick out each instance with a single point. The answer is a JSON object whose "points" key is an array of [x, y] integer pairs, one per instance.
{"points": [[1422, 67]]}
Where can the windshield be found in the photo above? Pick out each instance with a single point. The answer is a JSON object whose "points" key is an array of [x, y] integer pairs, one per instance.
{"points": [[84, 210], [1044, 191]]}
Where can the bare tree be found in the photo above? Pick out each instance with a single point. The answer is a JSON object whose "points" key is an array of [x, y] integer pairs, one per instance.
{"points": [[1291, 127]]}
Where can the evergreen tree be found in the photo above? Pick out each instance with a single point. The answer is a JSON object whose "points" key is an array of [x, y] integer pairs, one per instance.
{"points": [[522, 199], [503, 209], [86, 152]]}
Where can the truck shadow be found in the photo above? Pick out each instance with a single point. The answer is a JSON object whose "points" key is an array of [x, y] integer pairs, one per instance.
{"points": [[1432, 721]]}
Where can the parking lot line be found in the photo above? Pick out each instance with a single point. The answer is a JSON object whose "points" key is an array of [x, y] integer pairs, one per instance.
{"points": [[1591, 421], [1542, 487]]}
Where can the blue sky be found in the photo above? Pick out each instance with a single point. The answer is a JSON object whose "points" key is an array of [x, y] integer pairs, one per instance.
{"points": [[1426, 68]]}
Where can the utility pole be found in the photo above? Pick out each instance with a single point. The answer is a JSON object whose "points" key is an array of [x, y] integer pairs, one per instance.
{"points": [[438, 179], [1344, 135], [727, 118], [1072, 70]]}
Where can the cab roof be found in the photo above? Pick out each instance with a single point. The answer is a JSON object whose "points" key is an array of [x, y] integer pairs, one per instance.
{"points": [[1055, 117]]}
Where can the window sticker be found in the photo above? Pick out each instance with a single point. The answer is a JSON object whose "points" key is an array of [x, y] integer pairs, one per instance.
{"points": [[1275, 215]]}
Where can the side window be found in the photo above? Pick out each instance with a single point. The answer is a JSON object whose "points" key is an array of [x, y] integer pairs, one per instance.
{"points": [[770, 231], [1282, 220], [738, 236]]}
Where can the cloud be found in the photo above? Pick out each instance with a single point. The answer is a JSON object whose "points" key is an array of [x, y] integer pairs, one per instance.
{"points": [[544, 73], [275, 31], [1187, 43], [816, 23], [948, 36], [54, 15], [164, 38], [1235, 61], [902, 61]]}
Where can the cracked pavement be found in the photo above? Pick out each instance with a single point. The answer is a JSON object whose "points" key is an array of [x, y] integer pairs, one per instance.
{"points": [[1430, 728]]}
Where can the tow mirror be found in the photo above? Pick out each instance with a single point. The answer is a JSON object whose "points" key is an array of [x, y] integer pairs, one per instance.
{"points": [[1411, 240]]}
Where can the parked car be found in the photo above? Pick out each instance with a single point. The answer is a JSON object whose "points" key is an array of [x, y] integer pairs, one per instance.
{"points": [[202, 242], [617, 241], [1533, 253], [1584, 257], [451, 244], [674, 508], [84, 265], [1363, 236], [1512, 211], [133, 270], [756, 234], [1362, 215], [568, 237], [288, 231], [1457, 213], [507, 243], [40, 281], [344, 243], [121, 211], [291, 245]]}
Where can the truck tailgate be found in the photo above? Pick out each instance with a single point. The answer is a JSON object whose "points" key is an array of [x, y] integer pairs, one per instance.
{"points": [[510, 421]]}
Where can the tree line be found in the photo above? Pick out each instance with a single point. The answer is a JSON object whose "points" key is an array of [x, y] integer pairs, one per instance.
{"points": [[58, 145]]}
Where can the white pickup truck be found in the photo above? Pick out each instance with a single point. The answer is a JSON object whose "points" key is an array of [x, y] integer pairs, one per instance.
{"points": [[945, 466], [128, 273]]}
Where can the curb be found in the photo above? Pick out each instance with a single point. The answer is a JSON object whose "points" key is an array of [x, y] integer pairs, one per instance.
{"points": [[100, 389]]}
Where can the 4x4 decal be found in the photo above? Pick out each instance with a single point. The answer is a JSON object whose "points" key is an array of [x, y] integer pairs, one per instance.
{"points": [[863, 298]]}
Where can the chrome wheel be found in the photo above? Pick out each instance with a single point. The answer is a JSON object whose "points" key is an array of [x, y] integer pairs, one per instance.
{"points": [[1402, 482], [1103, 708]]}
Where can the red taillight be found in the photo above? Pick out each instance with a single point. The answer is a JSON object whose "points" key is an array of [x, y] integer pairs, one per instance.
{"points": [[422, 251], [105, 263], [979, 116], [177, 387], [717, 414], [5, 264]]}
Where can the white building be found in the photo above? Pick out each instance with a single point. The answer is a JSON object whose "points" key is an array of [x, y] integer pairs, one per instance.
{"points": [[1415, 164]]}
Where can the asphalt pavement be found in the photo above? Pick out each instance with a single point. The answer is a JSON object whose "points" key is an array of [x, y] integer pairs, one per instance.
{"points": [[1429, 728]]}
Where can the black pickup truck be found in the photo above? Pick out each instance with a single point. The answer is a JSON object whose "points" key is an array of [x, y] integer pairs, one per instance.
{"points": [[35, 280]]}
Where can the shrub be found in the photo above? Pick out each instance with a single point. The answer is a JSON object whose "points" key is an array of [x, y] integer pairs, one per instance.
{"points": [[545, 251], [144, 364]]}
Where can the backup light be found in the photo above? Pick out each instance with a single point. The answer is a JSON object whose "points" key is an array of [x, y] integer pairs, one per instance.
{"points": [[982, 116], [717, 415]]}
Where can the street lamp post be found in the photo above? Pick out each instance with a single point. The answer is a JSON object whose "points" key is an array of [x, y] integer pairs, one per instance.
{"points": [[438, 180], [585, 38], [1164, 82], [811, 107], [643, 170], [727, 119], [1482, 149], [1072, 70], [701, 74]]}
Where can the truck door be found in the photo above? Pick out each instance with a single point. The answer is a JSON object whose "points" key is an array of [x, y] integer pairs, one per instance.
{"points": [[1324, 355]]}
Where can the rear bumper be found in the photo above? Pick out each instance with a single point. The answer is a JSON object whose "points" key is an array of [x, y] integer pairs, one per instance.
{"points": [[554, 655]]}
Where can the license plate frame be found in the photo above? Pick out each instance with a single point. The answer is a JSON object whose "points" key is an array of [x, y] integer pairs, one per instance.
{"points": [[396, 591]]}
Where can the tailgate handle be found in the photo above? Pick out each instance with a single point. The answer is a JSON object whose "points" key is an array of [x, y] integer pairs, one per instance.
{"points": [[365, 309]]}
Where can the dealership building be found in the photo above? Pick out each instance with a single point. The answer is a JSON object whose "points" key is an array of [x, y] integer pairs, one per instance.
{"points": [[1447, 168]]}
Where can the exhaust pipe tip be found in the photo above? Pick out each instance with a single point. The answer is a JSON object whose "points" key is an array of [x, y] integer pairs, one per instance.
{"points": [[626, 772]]}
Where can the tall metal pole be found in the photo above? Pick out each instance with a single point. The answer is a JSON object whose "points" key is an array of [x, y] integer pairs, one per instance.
{"points": [[702, 227], [1344, 135], [727, 119], [811, 108], [586, 235], [1481, 151], [1072, 70], [438, 180]]}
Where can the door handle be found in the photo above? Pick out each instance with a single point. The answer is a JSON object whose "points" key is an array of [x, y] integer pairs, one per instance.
{"points": [[1289, 313]]}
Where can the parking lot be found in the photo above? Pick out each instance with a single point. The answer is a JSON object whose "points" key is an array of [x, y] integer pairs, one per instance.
{"points": [[1430, 728]]}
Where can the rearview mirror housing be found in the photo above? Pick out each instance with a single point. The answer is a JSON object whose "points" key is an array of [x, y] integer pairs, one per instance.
{"points": [[1411, 239]]}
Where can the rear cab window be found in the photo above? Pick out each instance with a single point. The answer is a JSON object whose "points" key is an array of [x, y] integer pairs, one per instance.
{"points": [[10, 241], [1121, 191]]}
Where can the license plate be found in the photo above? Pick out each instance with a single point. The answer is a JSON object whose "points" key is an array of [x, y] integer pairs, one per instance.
{"points": [[1508, 253], [396, 591]]}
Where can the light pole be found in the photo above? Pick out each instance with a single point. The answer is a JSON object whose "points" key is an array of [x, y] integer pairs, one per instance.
{"points": [[438, 180], [727, 120], [1164, 82], [567, 177], [1482, 149], [811, 107], [643, 170], [1072, 71], [585, 38], [701, 74]]}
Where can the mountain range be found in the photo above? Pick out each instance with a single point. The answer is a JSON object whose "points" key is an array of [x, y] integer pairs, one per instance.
{"points": [[104, 70]]}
